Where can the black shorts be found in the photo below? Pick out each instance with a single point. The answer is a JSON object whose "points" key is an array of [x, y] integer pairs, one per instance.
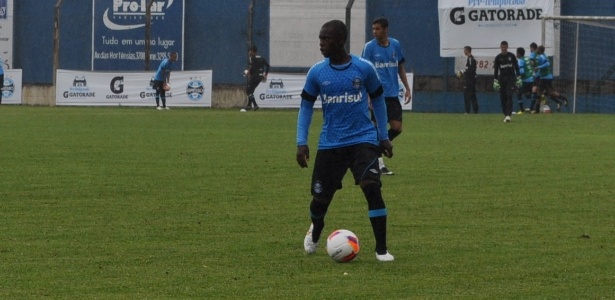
{"points": [[546, 86], [331, 165], [394, 111], [526, 88]]}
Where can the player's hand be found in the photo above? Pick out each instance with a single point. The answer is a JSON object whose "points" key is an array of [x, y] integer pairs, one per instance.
{"points": [[407, 97], [303, 155], [496, 85], [387, 148], [519, 82], [459, 74]]}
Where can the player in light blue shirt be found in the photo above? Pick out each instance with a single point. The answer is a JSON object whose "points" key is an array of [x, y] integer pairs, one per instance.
{"points": [[349, 139], [388, 57], [544, 70], [1, 78], [163, 78]]}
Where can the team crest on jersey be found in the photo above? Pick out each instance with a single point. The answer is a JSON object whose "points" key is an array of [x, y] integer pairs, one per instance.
{"points": [[357, 83]]}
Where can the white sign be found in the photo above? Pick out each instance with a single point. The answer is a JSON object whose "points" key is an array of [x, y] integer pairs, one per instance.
{"points": [[188, 88], [483, 24], [284, 91], [11, 90]]}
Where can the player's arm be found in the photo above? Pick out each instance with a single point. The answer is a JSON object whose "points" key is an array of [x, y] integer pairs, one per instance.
{"points": [[304, 120], [309, 95], [401, 70], [472, 67]]}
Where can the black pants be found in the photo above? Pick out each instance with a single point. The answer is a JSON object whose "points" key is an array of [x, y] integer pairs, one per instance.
{"points": [[161, 94], [469, 96], [508, 88], [1, 86], [253, 82]]}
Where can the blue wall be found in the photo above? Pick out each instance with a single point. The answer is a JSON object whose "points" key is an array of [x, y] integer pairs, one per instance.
{"points": [[216, 33]]}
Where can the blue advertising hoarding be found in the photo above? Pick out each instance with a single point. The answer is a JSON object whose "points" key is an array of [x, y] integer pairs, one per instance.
{"points": [[118, 39]]}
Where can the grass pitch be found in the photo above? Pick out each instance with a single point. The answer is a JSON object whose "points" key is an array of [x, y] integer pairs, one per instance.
{"points": [[134, 203]]}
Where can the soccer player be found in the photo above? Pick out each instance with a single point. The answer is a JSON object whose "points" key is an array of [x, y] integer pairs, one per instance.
{"points": [[163, 78], [349, 139], [387, 56], [528, 89], [469, 80], [257, 71], [506, 74], [535, 105], [1, 78], [543, 68]]}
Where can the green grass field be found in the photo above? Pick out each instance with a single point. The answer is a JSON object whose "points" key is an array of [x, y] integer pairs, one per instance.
{"points": [[134, 203]]}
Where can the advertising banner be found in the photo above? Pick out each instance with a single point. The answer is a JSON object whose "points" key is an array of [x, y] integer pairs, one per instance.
{"points": [[6, 33], [483, 24], [118, 38], [11, 89], [284, 91], [188, 88]]}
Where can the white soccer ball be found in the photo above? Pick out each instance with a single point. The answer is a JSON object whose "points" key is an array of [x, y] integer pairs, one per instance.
{"points": [[167, 87], [343, 245]]}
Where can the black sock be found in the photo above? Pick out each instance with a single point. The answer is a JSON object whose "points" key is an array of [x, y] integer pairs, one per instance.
{"points": [[393, 134], [318, 210], [377, 215]]}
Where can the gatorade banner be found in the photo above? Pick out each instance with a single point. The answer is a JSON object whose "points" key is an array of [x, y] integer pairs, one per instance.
{"points": [[483, 24], [284, 91], [188, 88]]}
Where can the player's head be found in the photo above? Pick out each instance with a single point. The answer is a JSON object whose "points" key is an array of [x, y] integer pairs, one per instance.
{"points": [[173, 56], [504, 46], [467, 50], [520, 52], [533, 46], [540, 49], [333, 36], [253, 49], [380, 28]]}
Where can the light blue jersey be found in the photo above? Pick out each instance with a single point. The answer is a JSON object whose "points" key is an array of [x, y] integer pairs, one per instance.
{"points": [[164, 69], [386, 60], [344, 91], [544, 67]]}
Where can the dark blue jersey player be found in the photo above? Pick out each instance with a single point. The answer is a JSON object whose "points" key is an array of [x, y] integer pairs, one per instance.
{"points": [[349, 139]]}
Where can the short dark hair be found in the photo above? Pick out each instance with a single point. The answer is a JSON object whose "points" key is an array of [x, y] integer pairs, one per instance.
{"points": [[253, 48], [382, 21], [468, 48], [521, 51], [504, 43], [339, 28], [533, 46]]}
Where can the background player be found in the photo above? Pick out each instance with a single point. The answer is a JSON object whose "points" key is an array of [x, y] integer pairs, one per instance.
{"points": [[528, 89], [349, 139], [543, 68], [506, 73], [162, 78], [257, 71], [387, 56]]}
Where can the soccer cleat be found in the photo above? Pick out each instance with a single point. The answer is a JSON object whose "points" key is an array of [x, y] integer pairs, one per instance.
{"points": [[256, 108], [308, 244], [385, 171], [158, 108], [385, 257], [520, 112], [166, 108], [507, 119], [242, 110]]}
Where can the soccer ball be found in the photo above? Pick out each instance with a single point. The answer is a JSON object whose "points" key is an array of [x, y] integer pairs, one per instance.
{"points": [[167, 87], [342, 245]]}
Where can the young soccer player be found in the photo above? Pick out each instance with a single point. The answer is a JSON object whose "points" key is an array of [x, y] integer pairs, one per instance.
{"points": [[349, 139]]}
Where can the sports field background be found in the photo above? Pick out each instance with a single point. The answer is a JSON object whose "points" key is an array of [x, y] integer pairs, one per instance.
{"points": [[135, 203]]}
